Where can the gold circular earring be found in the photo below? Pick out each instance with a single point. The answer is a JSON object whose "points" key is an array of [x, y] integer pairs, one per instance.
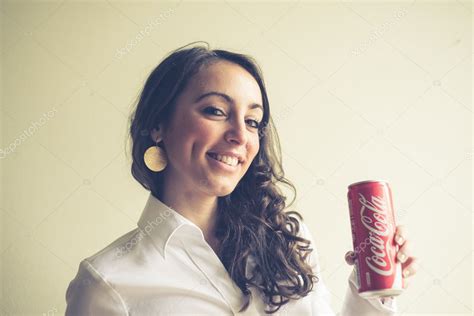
{"points": [[155, 158]]}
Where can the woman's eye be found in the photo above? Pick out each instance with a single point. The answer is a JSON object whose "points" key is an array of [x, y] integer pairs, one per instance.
{"points": [[257, 124], [212, 110]]}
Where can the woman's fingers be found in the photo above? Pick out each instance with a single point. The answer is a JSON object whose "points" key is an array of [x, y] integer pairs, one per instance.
{"points": [[404, 252], [400, 235], [410, 267], [404, 255]]}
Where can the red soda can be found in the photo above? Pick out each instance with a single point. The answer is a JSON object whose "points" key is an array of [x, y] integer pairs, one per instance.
{"points": [[373, 229]]}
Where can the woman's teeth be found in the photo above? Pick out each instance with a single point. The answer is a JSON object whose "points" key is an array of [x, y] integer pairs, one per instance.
{"points": [[231, 161]]}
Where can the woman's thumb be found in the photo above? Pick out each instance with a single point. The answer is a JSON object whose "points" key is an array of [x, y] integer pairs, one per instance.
{"points": [[350, 256]]}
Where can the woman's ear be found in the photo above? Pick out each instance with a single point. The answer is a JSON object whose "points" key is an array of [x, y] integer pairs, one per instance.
{"points": [[155, 135]]}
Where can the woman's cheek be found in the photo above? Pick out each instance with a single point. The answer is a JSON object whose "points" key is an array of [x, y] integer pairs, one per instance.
{"points": [[205, 127], [256, 143]]}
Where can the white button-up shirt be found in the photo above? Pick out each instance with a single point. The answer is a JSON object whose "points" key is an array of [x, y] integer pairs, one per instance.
{"points": [[165, 267]]}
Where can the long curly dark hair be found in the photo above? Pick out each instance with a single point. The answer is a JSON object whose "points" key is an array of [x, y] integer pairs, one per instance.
{"points": [[252, 221]]}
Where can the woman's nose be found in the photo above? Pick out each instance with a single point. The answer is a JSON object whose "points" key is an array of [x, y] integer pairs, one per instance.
{"points": [[237, 133]]}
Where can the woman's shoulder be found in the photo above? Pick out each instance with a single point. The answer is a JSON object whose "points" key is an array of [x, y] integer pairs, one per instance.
{"points": [[89, 290], [120, 254], [111, 251]]}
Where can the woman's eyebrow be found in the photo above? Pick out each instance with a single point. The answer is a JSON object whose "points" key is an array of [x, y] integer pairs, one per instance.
{"points": [[227, 98]]}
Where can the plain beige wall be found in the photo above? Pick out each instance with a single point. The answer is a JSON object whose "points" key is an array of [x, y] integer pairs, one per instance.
{"points": [[358, 91]]}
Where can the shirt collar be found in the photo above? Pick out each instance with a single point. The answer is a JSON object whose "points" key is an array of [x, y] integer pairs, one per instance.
{"points": [[162, 223]]}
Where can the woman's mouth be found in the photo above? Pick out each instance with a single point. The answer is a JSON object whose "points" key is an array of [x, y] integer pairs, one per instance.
{"points": [[228, 164]]}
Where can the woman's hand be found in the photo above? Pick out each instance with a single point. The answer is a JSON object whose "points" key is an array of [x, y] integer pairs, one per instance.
{"points": [[404, 255]]}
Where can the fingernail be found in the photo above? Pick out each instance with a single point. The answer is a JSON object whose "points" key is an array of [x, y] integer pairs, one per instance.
{"points": [[406, 273], [402, 257], [399, 239]]}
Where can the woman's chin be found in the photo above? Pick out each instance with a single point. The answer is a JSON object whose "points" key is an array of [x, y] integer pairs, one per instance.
{"points": [[218, 185], [222, 190]]}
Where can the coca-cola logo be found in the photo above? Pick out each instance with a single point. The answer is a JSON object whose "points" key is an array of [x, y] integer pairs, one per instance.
{"points": [[373, 215]]}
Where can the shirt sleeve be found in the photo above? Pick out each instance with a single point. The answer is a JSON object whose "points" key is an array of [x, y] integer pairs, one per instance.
{"points": [[354, 304], [90, 294]]}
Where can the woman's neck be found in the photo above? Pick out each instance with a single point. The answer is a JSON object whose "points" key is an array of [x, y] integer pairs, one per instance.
{"points": [[199, 209]]}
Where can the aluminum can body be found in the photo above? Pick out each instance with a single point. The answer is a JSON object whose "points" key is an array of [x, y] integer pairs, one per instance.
{"points": [[373, 228]]}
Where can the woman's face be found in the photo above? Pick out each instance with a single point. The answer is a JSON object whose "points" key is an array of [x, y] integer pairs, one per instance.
{"points": [[218, 112]]}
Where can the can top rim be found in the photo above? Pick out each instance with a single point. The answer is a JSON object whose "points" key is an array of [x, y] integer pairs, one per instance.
{"points": [[368, 181]]}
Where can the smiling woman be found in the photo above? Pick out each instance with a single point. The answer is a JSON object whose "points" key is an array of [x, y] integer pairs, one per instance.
{"points": [[215, 115], [216, 236]]}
